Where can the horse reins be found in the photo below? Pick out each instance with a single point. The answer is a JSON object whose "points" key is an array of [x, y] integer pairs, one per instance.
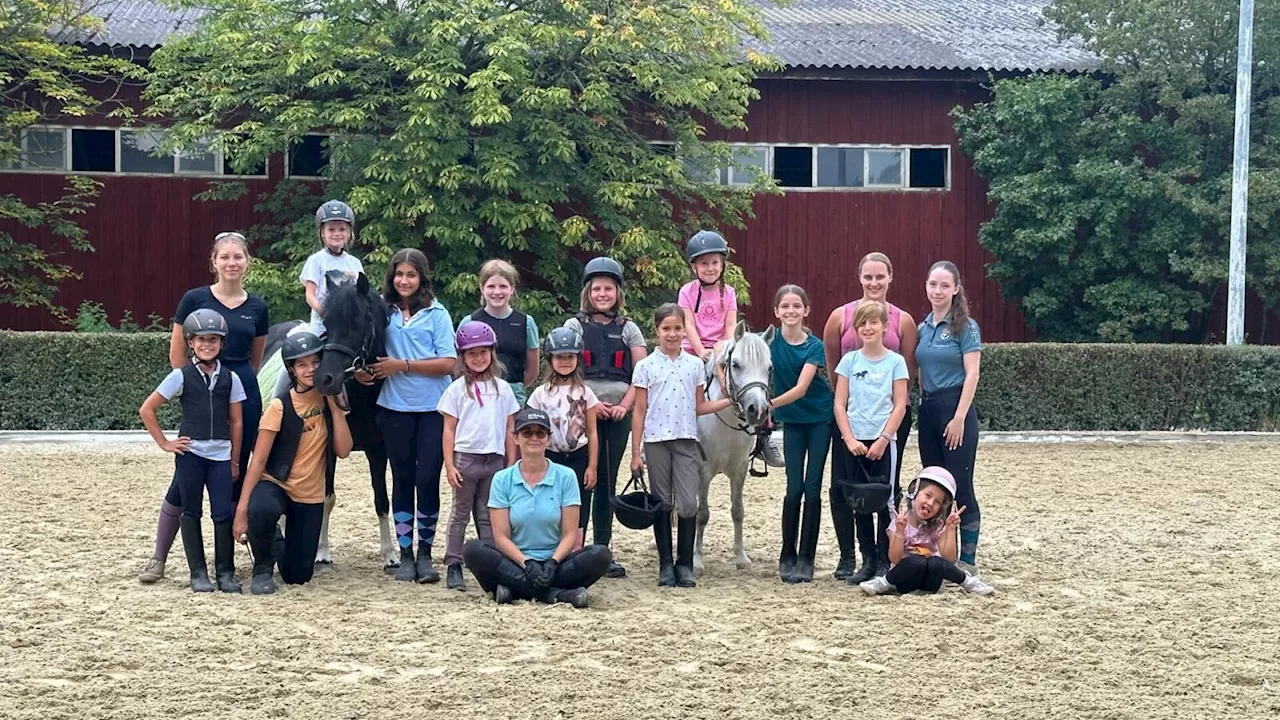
{"points": [[735, 394], [359, 361]]}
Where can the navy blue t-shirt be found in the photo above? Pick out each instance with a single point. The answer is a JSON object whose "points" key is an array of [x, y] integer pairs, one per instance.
{"points": [[244, 323]]}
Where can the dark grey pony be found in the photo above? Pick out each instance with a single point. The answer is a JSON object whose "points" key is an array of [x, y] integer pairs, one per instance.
{"points": [[355, 319]]}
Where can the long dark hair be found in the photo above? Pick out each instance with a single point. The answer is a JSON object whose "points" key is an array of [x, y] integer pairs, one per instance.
{"points": [[960, 303], [416, 259]]}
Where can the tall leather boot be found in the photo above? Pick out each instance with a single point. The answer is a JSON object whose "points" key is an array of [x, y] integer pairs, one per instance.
{"points": [[264, 562], [866, 528], [882, 543], [224, 558], [842, 520], [662, 537], [193, 546], [686, 533], [790, 528], [408, 570], [812, 523]]}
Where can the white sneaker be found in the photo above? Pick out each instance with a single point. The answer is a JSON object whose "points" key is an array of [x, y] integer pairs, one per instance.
{"points": [[975, 585], [876, 586]]}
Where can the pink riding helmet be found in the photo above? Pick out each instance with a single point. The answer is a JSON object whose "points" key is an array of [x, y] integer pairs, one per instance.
{"points": [[472, 334], [936, 474]]}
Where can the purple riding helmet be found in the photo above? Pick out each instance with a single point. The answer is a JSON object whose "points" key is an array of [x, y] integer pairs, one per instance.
{"points": [[472, 334]]}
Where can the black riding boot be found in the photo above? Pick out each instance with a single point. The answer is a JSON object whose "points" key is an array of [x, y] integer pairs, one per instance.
{"points": [[426, 573], [662, 536], [842, 520], [224, 558], [512, 584], [264, 561], [686, 533], [790, 528], [193, 546], [408, 570], [866, 547], [882, 543], [453, 578], [808, 541]]}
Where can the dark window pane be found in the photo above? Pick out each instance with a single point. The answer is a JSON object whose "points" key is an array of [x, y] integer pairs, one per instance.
{"points": [[928, 167], [309, 157], [229, 167], [793, 166], [93, 150]]}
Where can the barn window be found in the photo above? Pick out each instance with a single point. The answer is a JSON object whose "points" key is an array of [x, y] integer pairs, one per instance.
{"points": [[928, 167], [41, 149], [840, 167], [309, 157], [136, 152], [750, 162], [200, 160], [793, 166], [884, 168], [93, 150]]}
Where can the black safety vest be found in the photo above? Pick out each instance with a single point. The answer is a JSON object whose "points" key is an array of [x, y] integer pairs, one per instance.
{"points": [[513, 341], [285, 448], [606, 355], [206, 411]]}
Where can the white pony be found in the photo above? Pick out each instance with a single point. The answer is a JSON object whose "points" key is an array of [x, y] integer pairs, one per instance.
{"points": [[729, 436]]}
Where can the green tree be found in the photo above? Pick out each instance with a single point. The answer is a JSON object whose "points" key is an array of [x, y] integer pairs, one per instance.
{"points": [[477, 128], [42, 79], [1113, 189]]}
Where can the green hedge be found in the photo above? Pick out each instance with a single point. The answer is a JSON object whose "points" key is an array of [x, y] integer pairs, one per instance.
{"points": [[96, 381]]}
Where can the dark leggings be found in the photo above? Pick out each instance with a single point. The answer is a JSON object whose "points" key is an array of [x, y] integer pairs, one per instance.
{"points": [[904, 432], [415, 447], [302, 523], [917, 572], [577, 462], [251, 413], [936, 410], [580, 569], [804, 449], [611, 436], [194, 474]]}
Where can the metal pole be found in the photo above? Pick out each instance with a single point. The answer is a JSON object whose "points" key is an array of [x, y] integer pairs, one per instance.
{"points": [[1240, 177]]}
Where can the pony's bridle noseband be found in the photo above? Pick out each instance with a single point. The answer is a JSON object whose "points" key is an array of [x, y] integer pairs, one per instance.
{"points": [[359, 358]]}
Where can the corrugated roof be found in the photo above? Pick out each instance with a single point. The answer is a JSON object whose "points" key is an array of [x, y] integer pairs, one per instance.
{"points": [[891, 34], [923, 34]]}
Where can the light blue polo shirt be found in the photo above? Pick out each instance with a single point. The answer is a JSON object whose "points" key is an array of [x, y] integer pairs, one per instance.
{"points": [[535, 511], [940, 355], [426, 335]]}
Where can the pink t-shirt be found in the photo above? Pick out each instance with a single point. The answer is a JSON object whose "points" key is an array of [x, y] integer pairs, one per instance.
{"points": [[918, 541], [708, 312], [849, 340]]}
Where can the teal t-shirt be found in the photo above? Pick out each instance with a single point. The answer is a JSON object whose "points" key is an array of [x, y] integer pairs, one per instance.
{"points": [[535, 511], [788, 361], [870, 390]]}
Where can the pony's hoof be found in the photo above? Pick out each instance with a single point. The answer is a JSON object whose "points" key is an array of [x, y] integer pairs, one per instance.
{"points": [[323, 566], [743, 562], [389, 567], [697, 565]]}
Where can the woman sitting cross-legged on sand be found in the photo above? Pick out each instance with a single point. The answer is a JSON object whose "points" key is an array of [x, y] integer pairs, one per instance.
{"points": [[533, 507], [922, 543]]}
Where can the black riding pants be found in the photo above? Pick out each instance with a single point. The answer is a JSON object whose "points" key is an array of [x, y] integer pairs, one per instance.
{"points": [[577, 462], [580, 569], [917, 572], [936, 410], [415, 448], [611, 443], [302, 521]]}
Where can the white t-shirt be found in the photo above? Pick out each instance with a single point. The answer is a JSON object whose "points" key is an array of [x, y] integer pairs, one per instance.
{"points": [[672, 385], [346, 266], [567, 408], [482, 423], [171, 387]]}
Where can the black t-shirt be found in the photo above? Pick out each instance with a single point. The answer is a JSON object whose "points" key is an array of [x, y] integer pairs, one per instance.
{"points": [[244, 323]]}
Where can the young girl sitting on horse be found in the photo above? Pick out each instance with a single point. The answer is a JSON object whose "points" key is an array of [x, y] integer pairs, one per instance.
{"points": [[517, 332], [670, 395], [870, 402], [922, 543], [803, 405], [478, 410], [571, 406], [301, 435], [336, 224], [208, 438], [710, 308]]}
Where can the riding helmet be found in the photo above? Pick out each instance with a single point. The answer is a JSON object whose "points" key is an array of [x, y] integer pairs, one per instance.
{"points": [[300, 346], [867, 498], [472, 334], [705, 242], [335, 210], [636, 507], [563, 341], [937, 475], [204, 322], [602, 266]]}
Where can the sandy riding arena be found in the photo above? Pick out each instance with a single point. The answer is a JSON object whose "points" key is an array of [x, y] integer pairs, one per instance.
{"points": [[1134, 581]]}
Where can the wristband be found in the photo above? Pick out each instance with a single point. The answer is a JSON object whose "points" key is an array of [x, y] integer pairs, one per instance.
{"points": [[887, 437], [406, 366]]}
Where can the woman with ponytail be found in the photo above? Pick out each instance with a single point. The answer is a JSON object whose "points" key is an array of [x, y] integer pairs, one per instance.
{"points": [[948, 356]]}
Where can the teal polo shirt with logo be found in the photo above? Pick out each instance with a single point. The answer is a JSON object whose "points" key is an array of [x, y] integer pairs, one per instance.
{"points": [[535, 511], [940, 354]]}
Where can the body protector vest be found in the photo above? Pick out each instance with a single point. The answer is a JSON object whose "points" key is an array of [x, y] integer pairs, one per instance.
{"points": [[605, 355], [285, 448], [513, 334], [206, 411]]}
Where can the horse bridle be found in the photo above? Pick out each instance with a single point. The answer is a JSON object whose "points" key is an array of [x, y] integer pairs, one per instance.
{"points": [[359, 359], [735, 394]]}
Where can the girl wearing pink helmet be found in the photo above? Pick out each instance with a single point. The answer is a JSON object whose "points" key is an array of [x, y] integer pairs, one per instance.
{"points": [[922, 543], [479, 424]]}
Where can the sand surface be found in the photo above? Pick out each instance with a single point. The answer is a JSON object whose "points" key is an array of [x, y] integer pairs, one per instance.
{"points": [[1134, 582]]}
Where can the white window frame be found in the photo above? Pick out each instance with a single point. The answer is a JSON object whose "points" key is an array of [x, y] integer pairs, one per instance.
{"points": [[289, 174], [117, 131]]}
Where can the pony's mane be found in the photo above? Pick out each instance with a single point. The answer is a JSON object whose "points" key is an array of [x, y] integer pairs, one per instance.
{"points": [[346, 304]]}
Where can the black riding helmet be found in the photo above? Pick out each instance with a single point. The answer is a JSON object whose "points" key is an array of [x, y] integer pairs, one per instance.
{"points": [[563, 341], [602, 266], [335, 210], [204, 322], [636, 507], [705, 242], [300, 345]]}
